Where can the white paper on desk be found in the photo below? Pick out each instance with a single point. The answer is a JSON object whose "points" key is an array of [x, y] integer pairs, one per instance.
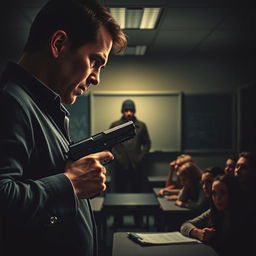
{"points": [[165, 238]]}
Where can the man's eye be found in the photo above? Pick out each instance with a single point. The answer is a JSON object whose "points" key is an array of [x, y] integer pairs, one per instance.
{"points": [[93, 62]]}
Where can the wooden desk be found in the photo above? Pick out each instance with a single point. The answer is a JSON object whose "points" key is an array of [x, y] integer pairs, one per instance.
{"points": [[131, 203], [170, 206], [156, 190], [172, 215], [123, 246], [157, 181]]}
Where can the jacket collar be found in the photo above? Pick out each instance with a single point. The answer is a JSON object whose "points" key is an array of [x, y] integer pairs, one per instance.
{"points": [[40, 92]]}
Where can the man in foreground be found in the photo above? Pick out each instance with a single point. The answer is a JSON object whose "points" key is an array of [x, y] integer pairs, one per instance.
{"points": [[43, 196]]}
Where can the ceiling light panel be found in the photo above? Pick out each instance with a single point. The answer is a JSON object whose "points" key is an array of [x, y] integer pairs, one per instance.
{"points": [[133, 18], [150, 18], [140, 49], [119, 15], [136, 18], [135, 50]]}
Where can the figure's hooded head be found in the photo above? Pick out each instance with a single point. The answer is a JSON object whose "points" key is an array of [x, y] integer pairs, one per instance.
{"points": [[128, 109]]}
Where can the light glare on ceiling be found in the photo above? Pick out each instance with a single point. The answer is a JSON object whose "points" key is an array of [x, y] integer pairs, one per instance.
{"points": [[135, 50], [119, 15], [149, 18], [136, 18]]}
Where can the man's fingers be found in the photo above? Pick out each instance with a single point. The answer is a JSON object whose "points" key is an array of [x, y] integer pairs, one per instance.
{"points": [[102, 156]]}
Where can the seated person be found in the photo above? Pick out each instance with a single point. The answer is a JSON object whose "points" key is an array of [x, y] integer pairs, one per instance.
{"points": [[245, 172], [170, 186], [191, 194], [207, 178], [230, 164], [221, 226]]}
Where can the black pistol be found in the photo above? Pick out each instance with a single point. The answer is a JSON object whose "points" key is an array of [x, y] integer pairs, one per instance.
{"points": [[102, 141]]}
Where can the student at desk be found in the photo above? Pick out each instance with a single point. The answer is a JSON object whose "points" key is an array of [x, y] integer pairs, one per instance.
{"points": [[222, 226], [230, 164], [170, 186], [245, 172], [191, 195], [207, 178]]}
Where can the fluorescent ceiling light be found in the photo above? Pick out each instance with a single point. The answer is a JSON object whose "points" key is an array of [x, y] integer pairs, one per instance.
{"points": [[140, 49], [119, 15], [136, 18], [133, 18], [149, 18], [135, 50]]}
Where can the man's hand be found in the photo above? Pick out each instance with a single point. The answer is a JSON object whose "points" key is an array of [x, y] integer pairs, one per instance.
{"points": [[88, 175], [172, 163]]}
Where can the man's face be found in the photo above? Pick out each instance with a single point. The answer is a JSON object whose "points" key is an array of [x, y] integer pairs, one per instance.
{"points": [[81, 67], [128, 114]]}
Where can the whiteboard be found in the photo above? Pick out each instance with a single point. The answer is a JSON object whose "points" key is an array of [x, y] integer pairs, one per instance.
{"points": [[161, 112]]}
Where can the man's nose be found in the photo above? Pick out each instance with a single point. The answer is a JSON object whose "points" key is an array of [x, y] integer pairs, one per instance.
{"points": [[94, 78]]}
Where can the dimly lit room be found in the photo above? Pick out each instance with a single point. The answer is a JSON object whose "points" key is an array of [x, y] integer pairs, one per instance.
{"points": [[127, 127]]}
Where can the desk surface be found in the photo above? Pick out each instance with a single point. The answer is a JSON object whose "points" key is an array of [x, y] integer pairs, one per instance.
{"points": [[157, 179], [156, 190], [131, 199], [167, 205], [123, 246]]}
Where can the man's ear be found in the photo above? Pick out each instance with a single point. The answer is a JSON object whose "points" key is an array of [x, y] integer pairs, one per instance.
{"points": [[58, 43]]}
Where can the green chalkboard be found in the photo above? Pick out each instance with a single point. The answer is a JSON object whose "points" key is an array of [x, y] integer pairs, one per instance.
{"points": [[207, 122], [79, 118]]}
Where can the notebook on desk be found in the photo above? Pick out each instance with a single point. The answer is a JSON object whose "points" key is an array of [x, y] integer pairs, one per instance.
{"points": [[161, 238]]}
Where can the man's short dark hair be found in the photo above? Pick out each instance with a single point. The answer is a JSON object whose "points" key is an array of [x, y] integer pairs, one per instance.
{"points": [[80, 19]]}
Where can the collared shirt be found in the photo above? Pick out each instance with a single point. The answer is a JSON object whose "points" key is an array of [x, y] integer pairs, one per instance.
{"points": [[38, 205]]}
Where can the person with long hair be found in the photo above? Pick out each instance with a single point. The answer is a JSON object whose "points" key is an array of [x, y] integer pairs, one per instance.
{"points": [[173, 187], [191, 194], [222, 226], [230, 164]]}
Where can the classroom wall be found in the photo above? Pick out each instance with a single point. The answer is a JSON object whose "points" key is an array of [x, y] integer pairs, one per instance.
{"points": [[189, 75], [192, 75]]}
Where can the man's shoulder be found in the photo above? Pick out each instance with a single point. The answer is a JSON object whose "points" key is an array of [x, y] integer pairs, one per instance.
{"points": [[14, 90], [139, 123], [116, 123]]}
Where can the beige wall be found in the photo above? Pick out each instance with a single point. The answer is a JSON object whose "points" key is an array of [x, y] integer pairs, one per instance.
{"points": [[188, 75]]}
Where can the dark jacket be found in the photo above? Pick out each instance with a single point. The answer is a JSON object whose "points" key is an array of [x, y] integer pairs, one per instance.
{"points": [[39, 210], [131, 153]]}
